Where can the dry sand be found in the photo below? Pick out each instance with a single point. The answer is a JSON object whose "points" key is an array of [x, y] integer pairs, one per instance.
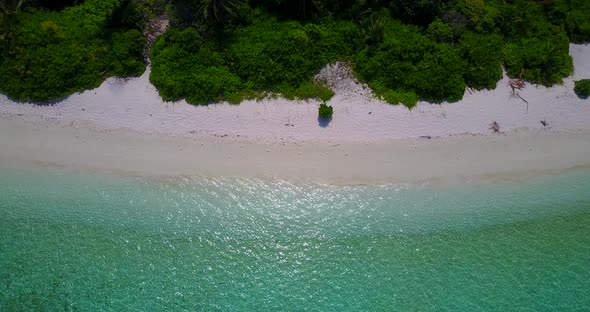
{"points": [[124, 127], [454, 159]]}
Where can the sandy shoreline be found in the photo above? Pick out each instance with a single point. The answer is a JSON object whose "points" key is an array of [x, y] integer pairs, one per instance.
{"points": [[124, 127], [358, 117], [456, 159]]}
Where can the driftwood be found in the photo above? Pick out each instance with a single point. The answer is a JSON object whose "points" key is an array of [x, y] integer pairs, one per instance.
{"points": [[519, 84], [495, 127], [527, 103]]}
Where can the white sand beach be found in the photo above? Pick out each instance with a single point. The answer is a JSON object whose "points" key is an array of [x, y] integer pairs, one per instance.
{"points": [[124, 127]]}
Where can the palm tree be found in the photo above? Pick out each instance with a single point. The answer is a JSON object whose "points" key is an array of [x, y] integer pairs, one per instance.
{"points": [[8, 10], [11, 7], [219, 10]]}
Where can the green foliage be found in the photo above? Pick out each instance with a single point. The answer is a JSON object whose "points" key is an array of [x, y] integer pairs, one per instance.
{"points": [[545, 59], [409, 99], [533, 44], [208, 15], [582, 88], [123, 45], [325, 111], [54, 54], [280, 56], [232, 49], [182, 67], [439, 31], [267, 56], [473, 10], [573, 15], [408, 61], [311, 90], [483, 56], [418, 12]]}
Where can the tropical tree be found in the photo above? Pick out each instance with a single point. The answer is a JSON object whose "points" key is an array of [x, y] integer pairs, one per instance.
{"points": [[219, 10], [203, 14], [8, 10], [11, 7]]}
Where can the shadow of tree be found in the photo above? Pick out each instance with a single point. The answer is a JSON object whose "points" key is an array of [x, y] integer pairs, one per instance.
{"points": [[324, 122]]}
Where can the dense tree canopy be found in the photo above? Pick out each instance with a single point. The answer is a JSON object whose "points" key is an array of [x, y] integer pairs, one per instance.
{"points": [[408, 61], [51, 54], [405, 50], [267, 56]]}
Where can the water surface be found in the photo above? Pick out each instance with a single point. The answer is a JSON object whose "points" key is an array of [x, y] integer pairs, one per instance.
{"points": [[71, 241]]}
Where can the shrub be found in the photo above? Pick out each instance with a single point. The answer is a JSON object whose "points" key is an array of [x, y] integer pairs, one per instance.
{"points": [[534, 44], [266, 57], [232, 50], [54, 54], [545, 60], [325, 111], [408, 99], [309, 90], [573, 16], [582, 88], [282, 57], [184, 67], [483, 59], [407, 61], [440, 32]]}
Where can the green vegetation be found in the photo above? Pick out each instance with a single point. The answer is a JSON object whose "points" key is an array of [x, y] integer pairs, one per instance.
{"points": [[266, 56], [582, 88], [51, 54], [482, 54], [406, 62], [231, 50], [572, 15], [404, 50], [325, 111], [535, 45]]}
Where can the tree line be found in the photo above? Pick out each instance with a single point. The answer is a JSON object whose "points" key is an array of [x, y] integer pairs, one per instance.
{"points": [[405, 50]]}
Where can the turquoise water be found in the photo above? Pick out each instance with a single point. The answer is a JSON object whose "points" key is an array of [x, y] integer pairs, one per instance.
{"points": [[85, 242]]}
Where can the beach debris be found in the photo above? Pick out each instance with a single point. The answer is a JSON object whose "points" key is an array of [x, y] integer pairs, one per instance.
{"points": [[544, 123], [516, 84], [519, 84], [495, 127], [428, 137]]}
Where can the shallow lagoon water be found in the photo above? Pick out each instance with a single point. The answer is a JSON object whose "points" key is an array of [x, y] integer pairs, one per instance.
{"points": [[89, 242]]}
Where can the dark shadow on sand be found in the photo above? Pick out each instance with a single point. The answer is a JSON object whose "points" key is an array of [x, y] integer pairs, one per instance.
{"points": [[324, 122]]}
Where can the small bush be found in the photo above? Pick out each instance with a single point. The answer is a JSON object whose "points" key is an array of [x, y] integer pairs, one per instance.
{"points": [[325, 111], [582, 88], [310, 90], [408, 99]]}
